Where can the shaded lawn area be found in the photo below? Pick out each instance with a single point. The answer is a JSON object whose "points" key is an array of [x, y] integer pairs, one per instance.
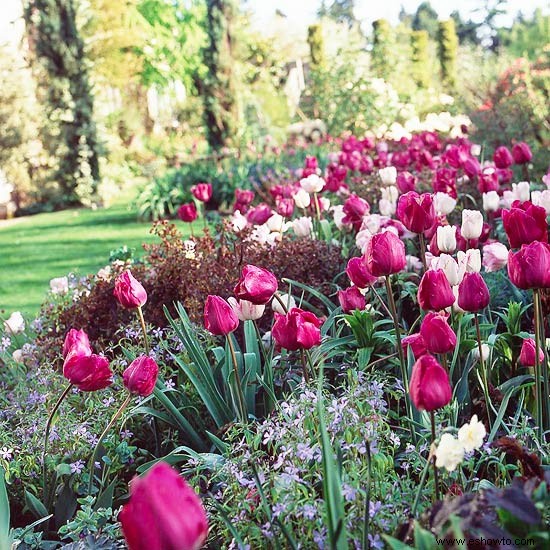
{"points": [[35, 249]]}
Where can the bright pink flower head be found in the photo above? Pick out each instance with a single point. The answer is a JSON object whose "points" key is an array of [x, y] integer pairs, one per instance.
{"points": [[285, 207], [256, 284], [385, 254], [76, 343], [415, 211], [202, 191], [163, 513], [529, 267], [444, 181], [525, 223], [438, 335], [471, 167], [141, 376], [488, 180], [405, 182], [521, 153], [88, 372], [434, 291], [351, 299], [298, 329], [429, 387], [416, 343], [244, 196], [502, 157], [358, 273], [219, 317], [260, 214], [187, 212], [354, 209], [129, 291], [527, 356], [473, 294]]}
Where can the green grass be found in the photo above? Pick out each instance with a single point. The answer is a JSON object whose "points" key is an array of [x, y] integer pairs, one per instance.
{"points": [[35, 249]]}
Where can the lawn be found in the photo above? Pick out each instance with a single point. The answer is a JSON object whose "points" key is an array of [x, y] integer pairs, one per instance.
{"points": [[35, 249]]}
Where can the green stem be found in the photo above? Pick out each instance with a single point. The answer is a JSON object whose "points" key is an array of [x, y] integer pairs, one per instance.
{"points": [[436, 477], [47, 435], [240, 396], [115, 417], [540, 379], [366, 517], [483, 369], [144, 330], [423, 250], [304, 366], [420, 487]]}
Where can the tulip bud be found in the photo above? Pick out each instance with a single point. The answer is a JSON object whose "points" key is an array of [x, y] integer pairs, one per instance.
{"points": [[491, 201], [530, 266], [312, 184], [443, 203], [358, 273], [502, 157], [525, 223], [385, 254], [141, 376], [302, 198], [446, 238], [302, 227], [429, 387], [219, 317], [15, 323], [468, 262], [351, 299], [473, 294], [472, 224], [285, 207], [386, 208], [434, 291], [405, 182], [259, 215], [527, 355], [76, 343], [521, 153], [245, 310], [521, 191], [416, 343], [256, 284], [495, 256], [163, 513], [129, 291], [287, 300], [416, 212], [298, 329], [388, 175], [542, 199], [202, 191], [485, 349], [355, 208], [438, 335], [187, 212], [87, 372], [449, 266]]}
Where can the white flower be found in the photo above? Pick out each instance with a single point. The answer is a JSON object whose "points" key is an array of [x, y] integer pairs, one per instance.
{"points": [[471, 435], [507, 199], [446, 238], [302, 198], [338, 215], [456, 307], [303, 227], [495, 256], [189, 247], [246, 310], [261, 234], [486, 350], [390, 193], [324, 204], [413, 263], [491, 201], [15, 323], [542, 198], [277, 223], [443, 203], [59, 285], [104, 273], [521, 191], [386, 207], [312, 184], [475, 149], [287, 300], [449, 266], [472, 224], [362, 240], [17, 356], [388, 175], [372, 223], [449, 453], [468, 262], [238, 221]]}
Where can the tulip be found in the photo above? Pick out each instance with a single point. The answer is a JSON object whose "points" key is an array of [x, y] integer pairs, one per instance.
{"points": [[488, 180], [187, 212], [88, 372], [351, 299], [438, 335], [385, 254], [358, 273], [202, 191], [129, 291], [521, 153], [415, 343], [468, 262], [298, 329], [444, 181], [302, 227], [76, 343], [354, 209], [525, 223], [15, 323], [245, 310], [491, 201], [416, 212], [405, 182], [391, 193], [521, 191], [449, 266], [471, 167], [495, 256], [473, 294], [434, 291], [312, 184], [429, 387], [388, 175], [285, 207], [259, 215], [219, 317], [446, 238], [527, 355], [443, 203], [288, 301], [256, 284], [472, 224], [244, 196], [386, 208], [502, 157], [163, 513], [302, 198], [542, 199], [530, 266], [140, 376]]}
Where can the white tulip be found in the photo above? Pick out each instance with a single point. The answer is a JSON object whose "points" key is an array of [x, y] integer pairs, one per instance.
{"points": [[446, 238], [302, 198], [468, 262], [388, 175], [287, 299], [390, 193], [312, 184], [542, 198], [472, 224], [443, 203], [386, 207], [521, 191], [303, 227], [246, 310], [491, 201], [449, 266], [15, 323]]}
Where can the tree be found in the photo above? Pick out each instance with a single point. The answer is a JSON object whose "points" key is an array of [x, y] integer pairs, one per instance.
{"points": [[217, 87], [341, 11], [420, 58], [447, 43], [425, 19], [467, 31], [58, 48], [382, 48]]}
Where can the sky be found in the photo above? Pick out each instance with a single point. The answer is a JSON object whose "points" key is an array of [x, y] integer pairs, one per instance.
{"points": [[303, 11]]}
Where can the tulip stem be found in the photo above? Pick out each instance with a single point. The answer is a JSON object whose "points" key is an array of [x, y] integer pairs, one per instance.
{"points": [[47, 435], [423, 250], [541, 374], [384, 306], [421, 485], [240, 396], [115, 417], [483, 368], [317, 210], [404, 373], [436, 477], [144, 330], [304, 366]]}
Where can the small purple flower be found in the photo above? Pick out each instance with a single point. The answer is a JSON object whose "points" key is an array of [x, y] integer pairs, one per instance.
{"points": [[170, 384], [126, 434], [77, 467]]}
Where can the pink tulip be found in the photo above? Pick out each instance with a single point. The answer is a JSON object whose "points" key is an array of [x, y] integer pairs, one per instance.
{"points": [[202, 191], [256, 284], [141, 376], [298, 329], [129, 291], [219, 317], [429, 387], [385, 254]]}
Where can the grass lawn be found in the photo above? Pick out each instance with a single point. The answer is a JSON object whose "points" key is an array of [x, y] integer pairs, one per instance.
{"points": [[35, 249]]}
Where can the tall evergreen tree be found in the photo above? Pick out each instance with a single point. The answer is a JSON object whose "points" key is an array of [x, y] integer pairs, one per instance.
{"points": [[425, 19], [382, 48], [59, 51], [340, 11], [447, 42], [420, 58]]}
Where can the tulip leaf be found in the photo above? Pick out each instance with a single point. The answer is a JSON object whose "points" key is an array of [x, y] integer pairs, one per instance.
{"points": [[35, 506], [314, 292], [4, 512]]}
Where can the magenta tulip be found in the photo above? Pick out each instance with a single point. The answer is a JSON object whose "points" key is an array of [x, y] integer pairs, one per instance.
{"points": [[259, 215], [219, 317], [385, 254], [416, 212], [202, 191], [437, 334], [522, 153], [527, 355], [88, 372], [435, 292], [355, 208], [416, 344], [429, 387], [473, 294], [298, 329], [129, 291], [257, 285], [141, 376], [76, 343], [529, 267], [405, 182], [525, 223], [187, 212], [351, 299], [502, 157], [358, 273]]}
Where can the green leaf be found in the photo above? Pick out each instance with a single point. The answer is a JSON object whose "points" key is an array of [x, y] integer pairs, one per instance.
{"points": [[35, 506], [4, 512]]}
